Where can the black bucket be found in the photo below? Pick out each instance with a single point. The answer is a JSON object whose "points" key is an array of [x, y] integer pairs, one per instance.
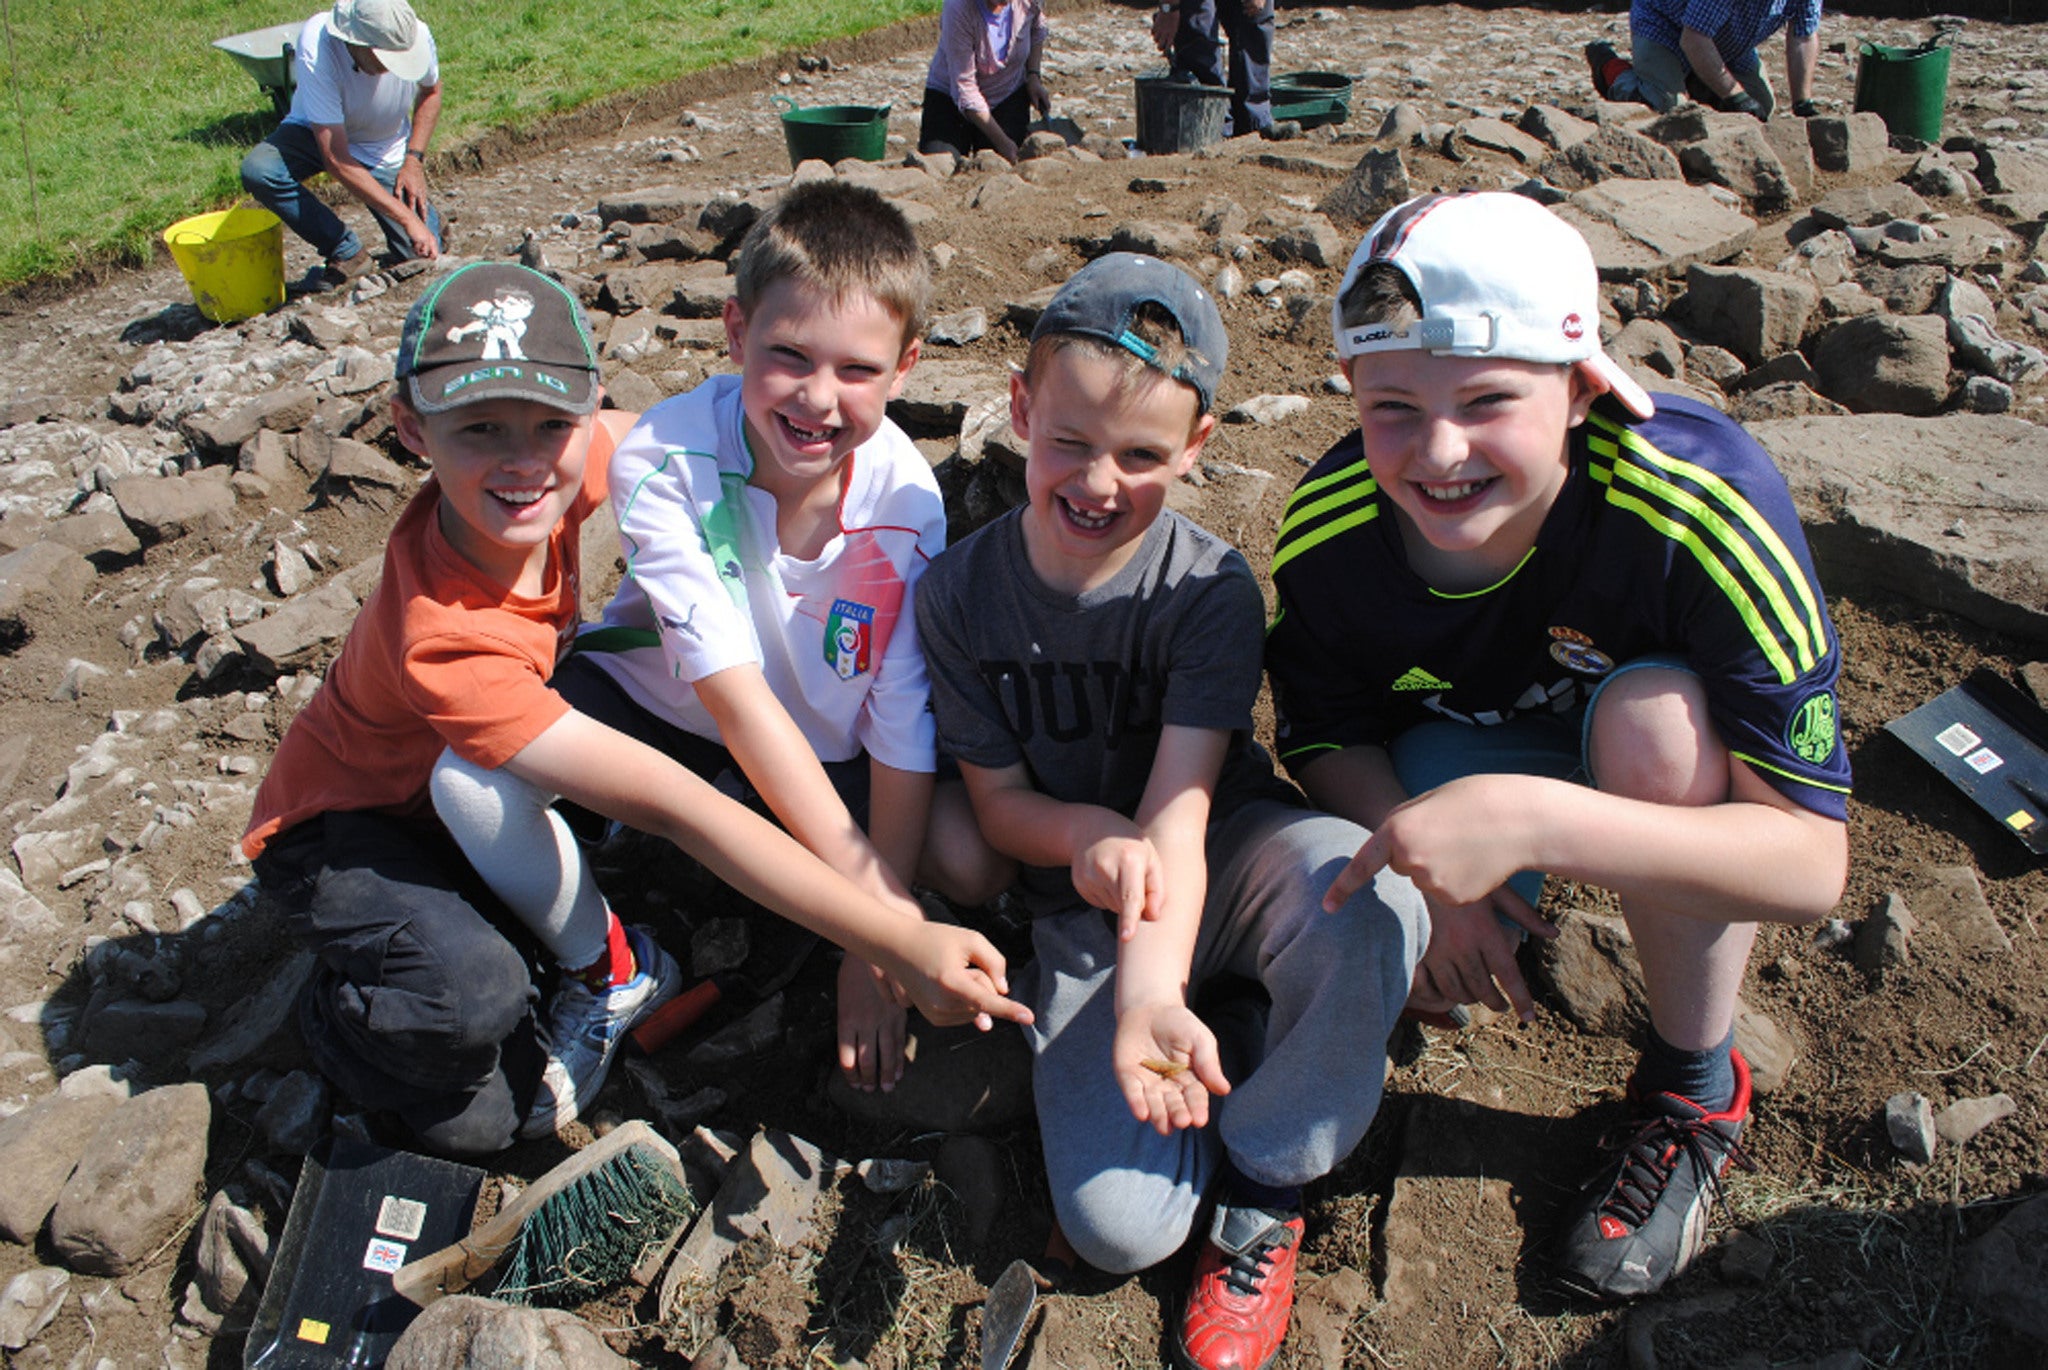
{"points": [[1179, 116]]}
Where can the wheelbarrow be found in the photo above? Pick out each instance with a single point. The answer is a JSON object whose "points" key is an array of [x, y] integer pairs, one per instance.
{"points": [[266, 54]]}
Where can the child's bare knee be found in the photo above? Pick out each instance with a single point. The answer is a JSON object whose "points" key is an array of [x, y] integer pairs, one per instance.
{"points": [[1653, 739]]}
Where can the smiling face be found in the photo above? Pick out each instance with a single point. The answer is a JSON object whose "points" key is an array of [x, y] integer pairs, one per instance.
{"points": [[508, 471], [1470, 451], [1106, 442], [815, 379]]}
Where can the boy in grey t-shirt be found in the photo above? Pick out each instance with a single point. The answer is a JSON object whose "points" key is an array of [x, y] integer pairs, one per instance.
{"points": [[1094, 658]]}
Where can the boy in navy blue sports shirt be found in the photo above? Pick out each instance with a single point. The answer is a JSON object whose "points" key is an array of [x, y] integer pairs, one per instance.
{"points": [[1530, 621]]}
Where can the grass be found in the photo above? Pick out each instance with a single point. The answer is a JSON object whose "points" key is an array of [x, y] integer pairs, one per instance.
{"points": [[117, 121]]}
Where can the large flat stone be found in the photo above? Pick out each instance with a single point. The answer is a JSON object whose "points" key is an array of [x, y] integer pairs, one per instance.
{"points": [[1946, 510], [1636, 228], [38, 1148], [139, 1177]]}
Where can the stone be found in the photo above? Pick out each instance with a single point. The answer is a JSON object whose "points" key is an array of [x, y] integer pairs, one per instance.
{"points": [[161, 508], [1769, 1048], [652, 205], [977, 1172], [1859, 142], [1974, 336], [956, 1080], [1593, 974], [1986, 395], [1158, 238], [1909, 1122], [1781, 400], [294, 1118], [229, 1244], [1754, 314], [1612, 154], [1651, 345], [285, 409], [1492, 135], [1885, 362], [1553, 126], [292, 637], [628, 390], [30, 1303], [698, 291], [1378, 183], [958, 330], [42, 580], [1743, 160], [1324, 1311], [1640, 227], [139, 1177], [2011, 170], [463, 1332], [937, 394], [675, 241], [1868, 206], [2004, 1273], [1885, 939], [771, 1189], [1794, 150], [1951, 899], [1965, 1118], [358, 471], [1746, 1258], [1267, 409], [39, 1147], [134, 1029], [1314, 241], [1861, 484], [986, 433]]}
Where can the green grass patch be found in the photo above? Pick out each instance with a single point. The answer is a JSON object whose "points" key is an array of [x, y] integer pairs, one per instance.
{"points": [[120, 119]]}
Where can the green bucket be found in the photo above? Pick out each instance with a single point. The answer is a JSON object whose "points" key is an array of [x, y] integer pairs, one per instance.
{"points": [[832, 133], [1906, 87]]}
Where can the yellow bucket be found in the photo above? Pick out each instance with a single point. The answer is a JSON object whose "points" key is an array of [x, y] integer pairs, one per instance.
{"points": [[233, 259]]}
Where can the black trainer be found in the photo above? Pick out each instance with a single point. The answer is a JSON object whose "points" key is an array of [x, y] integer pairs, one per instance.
{"points": [[1603, 59], [1643, 1218]]}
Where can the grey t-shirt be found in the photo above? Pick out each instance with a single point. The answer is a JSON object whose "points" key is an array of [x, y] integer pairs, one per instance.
{"points": [[1077, 687]]}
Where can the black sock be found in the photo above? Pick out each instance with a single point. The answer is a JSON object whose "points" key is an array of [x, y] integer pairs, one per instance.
{"points": [[1241, 1191], [1707, 1078]]}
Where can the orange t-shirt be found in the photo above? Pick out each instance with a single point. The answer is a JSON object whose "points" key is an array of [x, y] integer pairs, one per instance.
{"points": [[438, 657]]}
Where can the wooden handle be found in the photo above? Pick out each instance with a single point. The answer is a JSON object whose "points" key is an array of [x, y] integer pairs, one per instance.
{"points": [[453, 1269]]}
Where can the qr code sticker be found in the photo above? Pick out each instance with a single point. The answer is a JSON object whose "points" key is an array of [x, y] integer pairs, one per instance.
{"points": [[401, 1218], [384, 1257]]}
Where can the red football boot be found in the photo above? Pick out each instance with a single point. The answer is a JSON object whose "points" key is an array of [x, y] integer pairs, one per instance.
{"points": [[1237, 1312]]}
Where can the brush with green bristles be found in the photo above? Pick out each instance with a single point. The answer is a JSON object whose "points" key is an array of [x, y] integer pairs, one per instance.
{"points": [[575, 1232]]}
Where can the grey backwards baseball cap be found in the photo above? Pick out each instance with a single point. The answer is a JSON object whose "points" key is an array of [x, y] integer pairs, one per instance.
{"points": [[1100, 300], [497, 330]]}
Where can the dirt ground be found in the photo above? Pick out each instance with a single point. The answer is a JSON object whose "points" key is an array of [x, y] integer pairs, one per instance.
{"points": [[1486, 1129]]}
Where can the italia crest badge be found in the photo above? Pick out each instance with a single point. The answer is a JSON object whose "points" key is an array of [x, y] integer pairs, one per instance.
{"points": [[849, 638]]}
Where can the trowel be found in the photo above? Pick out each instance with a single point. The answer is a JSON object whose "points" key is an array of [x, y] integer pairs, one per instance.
{"points": [[1011, 1299], [1991, 742]]}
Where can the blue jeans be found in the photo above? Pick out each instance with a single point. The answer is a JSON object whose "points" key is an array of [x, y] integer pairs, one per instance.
{"points": [[1198, 52], [274, 174]]}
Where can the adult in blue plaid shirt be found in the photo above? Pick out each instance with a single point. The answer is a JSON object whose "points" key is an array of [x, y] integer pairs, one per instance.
{"points": [[1708, 49]]}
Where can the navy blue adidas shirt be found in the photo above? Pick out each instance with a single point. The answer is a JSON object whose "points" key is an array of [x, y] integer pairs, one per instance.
{"points": [[1672, 535]]}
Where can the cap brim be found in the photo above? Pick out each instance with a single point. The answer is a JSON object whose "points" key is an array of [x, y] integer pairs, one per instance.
{"points": [[1606, 373], [436, 391], [409, 65]]}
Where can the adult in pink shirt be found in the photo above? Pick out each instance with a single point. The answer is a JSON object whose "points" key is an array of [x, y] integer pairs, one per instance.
{"points": [[985, 78]]}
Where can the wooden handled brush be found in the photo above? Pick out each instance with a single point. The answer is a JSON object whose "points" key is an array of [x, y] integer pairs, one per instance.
{"points": [[575, 1230]]}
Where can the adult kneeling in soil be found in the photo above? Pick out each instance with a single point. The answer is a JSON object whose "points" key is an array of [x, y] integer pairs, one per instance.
{"points": [[984, 79], [368, 94]]}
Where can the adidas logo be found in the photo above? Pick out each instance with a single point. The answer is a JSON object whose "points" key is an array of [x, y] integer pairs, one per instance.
{"points": [[1415, 678]]}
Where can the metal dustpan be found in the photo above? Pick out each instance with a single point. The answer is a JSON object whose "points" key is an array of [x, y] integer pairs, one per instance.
{"points": [[357, 1213], [1991, 742]]}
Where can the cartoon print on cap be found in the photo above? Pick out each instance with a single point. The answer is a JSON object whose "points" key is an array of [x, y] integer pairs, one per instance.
{"points": [[502, 321]]}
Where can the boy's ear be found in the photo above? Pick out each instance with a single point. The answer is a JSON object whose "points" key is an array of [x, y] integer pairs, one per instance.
{"points": [[412, 434], [735, 330], [1584, 390], [1197, 438], [1020, 407], [911, 352]]}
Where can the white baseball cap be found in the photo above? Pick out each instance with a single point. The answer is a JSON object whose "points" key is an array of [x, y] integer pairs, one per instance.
{"points": [[390, 29], [1498, 276]]}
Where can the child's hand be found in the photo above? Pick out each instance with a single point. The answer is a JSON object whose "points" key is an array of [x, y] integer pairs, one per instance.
{"points": [[1166, 1061], [1471, 957], [870, 1027], [1119, 869], [1458, 842], [955, 975]]}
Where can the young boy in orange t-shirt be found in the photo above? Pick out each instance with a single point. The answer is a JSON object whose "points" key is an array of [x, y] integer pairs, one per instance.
{"points": [[421, 1006]]}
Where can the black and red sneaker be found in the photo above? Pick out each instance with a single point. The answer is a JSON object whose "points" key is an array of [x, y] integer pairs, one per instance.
{"points": [[1237, 1312], [1643, 1218], [1606, 65]]}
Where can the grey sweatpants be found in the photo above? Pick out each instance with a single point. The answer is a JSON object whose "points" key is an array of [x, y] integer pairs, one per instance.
{"points": [[1127, 1197]]}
